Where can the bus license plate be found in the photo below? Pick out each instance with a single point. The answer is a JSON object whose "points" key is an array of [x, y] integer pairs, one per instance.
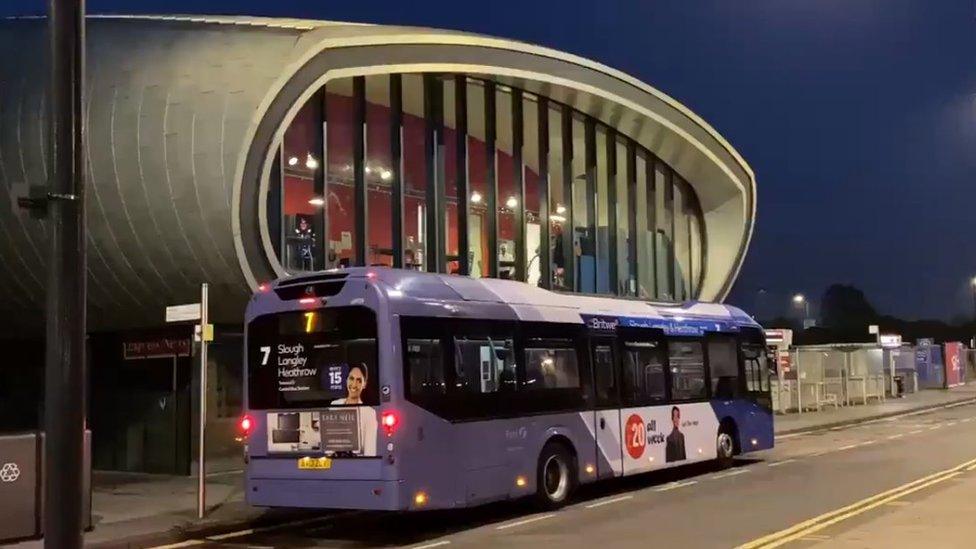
{"points": [[315, 463]]}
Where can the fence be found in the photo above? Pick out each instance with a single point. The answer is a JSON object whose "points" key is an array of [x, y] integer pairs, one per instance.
{"points": [[836, 375]]}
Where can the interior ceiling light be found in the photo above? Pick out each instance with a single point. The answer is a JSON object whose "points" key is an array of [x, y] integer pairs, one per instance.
{"points": [[512, 202], [386, 175], [293, 161], [317, 201], [476, 197], [311, 163]]}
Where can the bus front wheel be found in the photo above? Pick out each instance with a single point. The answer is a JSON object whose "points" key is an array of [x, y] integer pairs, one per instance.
{"points": [[725, 446], [556, 478]]}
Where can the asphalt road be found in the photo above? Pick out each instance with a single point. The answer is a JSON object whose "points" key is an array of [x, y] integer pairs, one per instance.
{"points": [[809, 484]]}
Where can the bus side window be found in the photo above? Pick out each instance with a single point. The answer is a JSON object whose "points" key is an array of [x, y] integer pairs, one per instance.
{"points": [[551, 365], [643, 380], [425, 367], [687, 364], [723, 363], [757, 377], [484, 365]]}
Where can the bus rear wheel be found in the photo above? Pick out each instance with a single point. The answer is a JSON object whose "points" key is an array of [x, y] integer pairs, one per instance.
{"points": [[725, 447], [556, 477]]}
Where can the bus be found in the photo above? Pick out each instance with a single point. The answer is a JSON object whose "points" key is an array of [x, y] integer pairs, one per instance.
{"points": [[385, 389]]}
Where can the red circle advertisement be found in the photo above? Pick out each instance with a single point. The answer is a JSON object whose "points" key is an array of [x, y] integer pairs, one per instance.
{"points": [[635, 436]]}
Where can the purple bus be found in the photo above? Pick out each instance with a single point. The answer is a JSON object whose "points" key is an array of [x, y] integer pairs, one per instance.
{"points": [[385, 389]]}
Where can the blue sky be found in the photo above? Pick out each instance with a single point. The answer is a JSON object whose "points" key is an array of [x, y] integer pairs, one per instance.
{"points": [[858, 117]]}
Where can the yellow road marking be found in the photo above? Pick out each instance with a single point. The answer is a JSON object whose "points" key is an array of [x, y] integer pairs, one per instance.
{"points": [[832, 517], [971, 467]]}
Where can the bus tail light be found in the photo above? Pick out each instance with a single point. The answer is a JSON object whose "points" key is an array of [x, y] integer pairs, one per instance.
{"points": [[246, 424], [390, 422]]}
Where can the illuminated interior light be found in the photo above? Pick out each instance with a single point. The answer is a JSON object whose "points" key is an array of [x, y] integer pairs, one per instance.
{"points": [[293, 161], [369, 170], [512, 202], [557, 218], [520, 481], [476, 197], [311, 163], [560, 209], [317, 201], [386, 175]]}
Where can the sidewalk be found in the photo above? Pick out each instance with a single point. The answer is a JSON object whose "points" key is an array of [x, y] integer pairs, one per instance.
{"points": [[138, 510], [845, 415]]}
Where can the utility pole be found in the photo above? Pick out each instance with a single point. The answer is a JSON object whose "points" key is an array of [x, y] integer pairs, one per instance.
{"points": [[65, 379]]}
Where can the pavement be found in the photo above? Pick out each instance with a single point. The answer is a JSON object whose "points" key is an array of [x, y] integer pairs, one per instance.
{"points": [[822, 459], [845, 415]]}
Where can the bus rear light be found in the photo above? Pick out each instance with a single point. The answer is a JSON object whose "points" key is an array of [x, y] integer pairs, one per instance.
{"points": [[264, 287], [390, 422], [590, 469], [307, 301], [246, 425], [420, 499], [520, 482]]}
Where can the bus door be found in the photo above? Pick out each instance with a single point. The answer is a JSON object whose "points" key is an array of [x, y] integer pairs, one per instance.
{"points": [[607, 413]]}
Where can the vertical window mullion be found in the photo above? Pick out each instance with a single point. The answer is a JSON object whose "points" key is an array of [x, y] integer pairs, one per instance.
{"points": [[396, 155], [633, 264], [323, 184], [359, 169], [649, 164], [567, 122], [518, 168], [669, 207], [545, 249], [434, 183], [589, 145], [463, 184], [492, 178], [611, 178]]}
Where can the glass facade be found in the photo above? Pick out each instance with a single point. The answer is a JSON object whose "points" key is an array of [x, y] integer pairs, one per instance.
{"points": [[457, 174]]}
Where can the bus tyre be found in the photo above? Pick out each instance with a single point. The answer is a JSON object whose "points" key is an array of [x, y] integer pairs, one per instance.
{"points": [[556, 477], [725, 447]]}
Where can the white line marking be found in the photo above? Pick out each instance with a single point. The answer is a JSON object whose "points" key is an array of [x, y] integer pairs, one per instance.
{"points": [[730, 474], [898, 503], [867, 443], [435, 544], [966, 419], [674, 485], [934, 427], [971, 467], [818, 454], [784, 462], [226, 473], [950, 424], [815, 537], [848, 447], [893, 437], [608, 502], [188, 543], [526, 521], [236, 534], [915, 432], [890, 418]]}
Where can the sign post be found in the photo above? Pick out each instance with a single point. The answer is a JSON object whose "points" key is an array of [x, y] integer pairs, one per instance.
{"points": [[205, 335]]}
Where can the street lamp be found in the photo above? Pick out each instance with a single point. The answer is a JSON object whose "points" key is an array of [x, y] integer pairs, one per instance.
{"points": [[800, 300], [972, 284]]}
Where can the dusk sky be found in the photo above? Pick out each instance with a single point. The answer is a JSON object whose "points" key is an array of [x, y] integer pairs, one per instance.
{"points": [[858, 117]]}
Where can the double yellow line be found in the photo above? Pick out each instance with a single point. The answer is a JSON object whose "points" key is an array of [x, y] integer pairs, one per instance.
{"points": [[818, 523]]}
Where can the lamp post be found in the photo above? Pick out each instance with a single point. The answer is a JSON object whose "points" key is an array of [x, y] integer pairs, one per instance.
{"points": [[972, 284], [800, 300]]}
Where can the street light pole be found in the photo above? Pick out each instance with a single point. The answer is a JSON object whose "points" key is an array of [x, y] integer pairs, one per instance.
{"points": [[64, 386]]}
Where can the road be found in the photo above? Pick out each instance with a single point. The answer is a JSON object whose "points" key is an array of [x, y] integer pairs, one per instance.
{"points": [[809, 489]]}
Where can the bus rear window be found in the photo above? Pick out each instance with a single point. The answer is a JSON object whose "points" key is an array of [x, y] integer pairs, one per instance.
{"points": [[313, 359]]}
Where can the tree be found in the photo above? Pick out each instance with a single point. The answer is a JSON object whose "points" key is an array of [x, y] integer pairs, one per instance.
{"points": [[844, 309]]}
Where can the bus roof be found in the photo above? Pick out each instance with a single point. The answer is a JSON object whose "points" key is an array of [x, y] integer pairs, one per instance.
{"points": [[404, 288]]}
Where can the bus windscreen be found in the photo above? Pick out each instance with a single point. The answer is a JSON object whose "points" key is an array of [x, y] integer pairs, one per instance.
{"points": [[313, 359]]}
